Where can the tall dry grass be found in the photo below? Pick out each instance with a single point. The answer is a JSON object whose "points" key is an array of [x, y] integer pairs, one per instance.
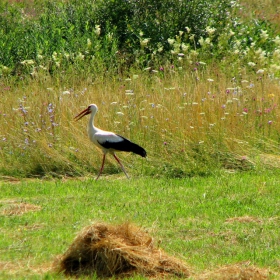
{"points": [[266, 10], [190, 121]]}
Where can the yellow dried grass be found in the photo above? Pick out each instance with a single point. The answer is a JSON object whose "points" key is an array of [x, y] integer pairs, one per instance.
{"points": [[240, 271], [117, 250]]}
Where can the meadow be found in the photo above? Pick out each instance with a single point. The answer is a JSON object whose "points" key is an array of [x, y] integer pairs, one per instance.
{"points": [[196, 105], [200, 92], [209, 223]]}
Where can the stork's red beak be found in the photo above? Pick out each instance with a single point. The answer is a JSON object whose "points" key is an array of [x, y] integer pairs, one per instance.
{"points": [[82, 114]]}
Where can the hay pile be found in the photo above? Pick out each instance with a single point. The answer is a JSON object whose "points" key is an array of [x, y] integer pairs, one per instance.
{"points": [[121, 250], [235, 272]]}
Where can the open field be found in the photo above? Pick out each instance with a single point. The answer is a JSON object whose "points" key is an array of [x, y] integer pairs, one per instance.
{"points": [[206, 222], [200, 93]]}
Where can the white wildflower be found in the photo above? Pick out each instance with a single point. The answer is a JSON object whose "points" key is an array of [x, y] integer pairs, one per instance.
{"points": [[207, 41], [231, 33], [276, 54], [171, 41], [160, 49], [144, 42], [237, 44], [80, 56], [194, 53], [274, 67], [66, 55], [277, 40], [28, 62], [184, 47], [210, 30], [129, 92], [188, 29], [54, 55], [260, 71], [251, 64], [264, 35], [192, 37], [97, 29], [201, 41]]}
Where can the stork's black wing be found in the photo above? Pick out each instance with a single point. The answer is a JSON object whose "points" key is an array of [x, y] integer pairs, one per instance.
{"points": [[124, 145]]}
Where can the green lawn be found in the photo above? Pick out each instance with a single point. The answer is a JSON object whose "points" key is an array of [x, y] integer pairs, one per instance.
{"points": [[208, 222]]}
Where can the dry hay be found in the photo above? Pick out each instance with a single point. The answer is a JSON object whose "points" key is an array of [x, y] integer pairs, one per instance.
{"points": [[11, 208], [270, 160], [236, 272], [23, 267], [243, 219], [120, 250]]}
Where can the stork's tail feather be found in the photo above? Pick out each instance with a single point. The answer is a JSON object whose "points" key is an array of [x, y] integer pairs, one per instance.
{"points": [[128, 146], [136, 149]]}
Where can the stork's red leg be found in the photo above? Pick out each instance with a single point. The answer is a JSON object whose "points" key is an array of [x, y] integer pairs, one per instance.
{"points": [[118, 160], [102, 166]]}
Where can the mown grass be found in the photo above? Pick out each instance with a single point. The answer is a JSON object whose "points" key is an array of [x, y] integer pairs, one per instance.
{"points": [[208, 223]]}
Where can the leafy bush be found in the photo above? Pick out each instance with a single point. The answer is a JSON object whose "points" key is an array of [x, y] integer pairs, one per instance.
{"points": [[160, 20], [90, 37]]}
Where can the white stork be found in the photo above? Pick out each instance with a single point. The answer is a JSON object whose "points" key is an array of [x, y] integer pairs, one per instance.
{"points": [[107, 141]]}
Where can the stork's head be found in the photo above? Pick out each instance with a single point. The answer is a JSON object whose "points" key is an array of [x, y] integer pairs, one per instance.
{"points": [[91, 109]]}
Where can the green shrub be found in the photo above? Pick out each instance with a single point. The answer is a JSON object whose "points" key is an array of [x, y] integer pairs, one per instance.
{"points": [[93, 37]]}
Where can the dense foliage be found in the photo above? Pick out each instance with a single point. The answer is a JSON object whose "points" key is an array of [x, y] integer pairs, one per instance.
{"points": [[118, 34]]}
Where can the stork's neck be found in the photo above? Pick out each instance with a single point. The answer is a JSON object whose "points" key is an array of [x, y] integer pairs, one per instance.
{"points": [[91, 128]]}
